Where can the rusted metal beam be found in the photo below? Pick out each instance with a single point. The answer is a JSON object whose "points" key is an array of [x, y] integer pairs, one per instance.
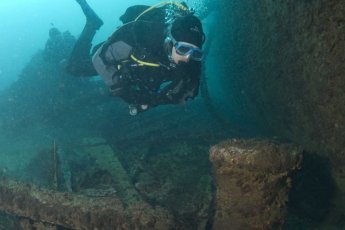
{"points": [[79, 211]]}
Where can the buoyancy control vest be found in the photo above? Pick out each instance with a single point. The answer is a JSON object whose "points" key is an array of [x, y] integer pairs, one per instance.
{"points": [[137, 18], [139, 67]]}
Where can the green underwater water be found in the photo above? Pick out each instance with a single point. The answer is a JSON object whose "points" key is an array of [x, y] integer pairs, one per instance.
{"points": [[162, 155]]}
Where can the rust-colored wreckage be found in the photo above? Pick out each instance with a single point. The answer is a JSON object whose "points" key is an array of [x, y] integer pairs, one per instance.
{"points": [[78, 211], [47, 209], [252, 180]]}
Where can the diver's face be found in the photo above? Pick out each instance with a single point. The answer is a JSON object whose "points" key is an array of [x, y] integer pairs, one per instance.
{"points": [[181, 58]]}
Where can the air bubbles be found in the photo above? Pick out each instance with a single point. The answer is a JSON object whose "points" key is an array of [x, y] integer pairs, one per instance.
{"points": [[199, 6]]}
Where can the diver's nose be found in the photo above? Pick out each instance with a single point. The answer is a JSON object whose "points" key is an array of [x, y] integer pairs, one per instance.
{"points": [[187, 58]]}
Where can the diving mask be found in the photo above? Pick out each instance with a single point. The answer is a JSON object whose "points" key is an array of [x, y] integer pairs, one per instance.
{"points": [[194, 53]]}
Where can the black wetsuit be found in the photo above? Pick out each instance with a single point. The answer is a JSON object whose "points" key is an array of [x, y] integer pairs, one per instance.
{"points": [[119, 61]]}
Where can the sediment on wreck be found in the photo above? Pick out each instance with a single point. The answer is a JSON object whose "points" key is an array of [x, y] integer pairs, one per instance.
{"points": [[74, 211], [253, 182]]}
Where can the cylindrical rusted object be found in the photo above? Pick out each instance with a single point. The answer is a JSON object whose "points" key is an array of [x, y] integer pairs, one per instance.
{"points": [[252, 179]]}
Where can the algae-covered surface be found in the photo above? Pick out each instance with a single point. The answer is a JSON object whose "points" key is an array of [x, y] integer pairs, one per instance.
{"points": [[80, 142], [273, 70]]}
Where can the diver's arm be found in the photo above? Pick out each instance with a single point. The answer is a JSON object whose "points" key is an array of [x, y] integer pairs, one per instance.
{"points": [[106, 60], [109, 55], [184, 86], [122, 42]]}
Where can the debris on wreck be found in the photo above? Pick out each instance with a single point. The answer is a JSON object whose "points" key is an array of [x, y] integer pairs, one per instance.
{"points": [[44, 168], [41, 206]]}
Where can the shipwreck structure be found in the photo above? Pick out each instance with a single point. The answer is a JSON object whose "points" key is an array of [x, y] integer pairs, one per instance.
{"points": [[261, 148]]}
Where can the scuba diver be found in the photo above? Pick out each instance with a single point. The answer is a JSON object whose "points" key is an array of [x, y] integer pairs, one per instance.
{"points": [[153, 59]]}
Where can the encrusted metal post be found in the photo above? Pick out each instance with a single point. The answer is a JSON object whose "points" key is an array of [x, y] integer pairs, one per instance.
{"points": [[252, 179]]}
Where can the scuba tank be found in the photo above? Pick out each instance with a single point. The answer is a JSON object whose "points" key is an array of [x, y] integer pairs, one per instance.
{"points": [[162, 12]]}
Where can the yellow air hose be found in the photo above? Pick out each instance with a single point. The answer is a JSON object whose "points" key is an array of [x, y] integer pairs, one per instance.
{"points": [[179, 5]]}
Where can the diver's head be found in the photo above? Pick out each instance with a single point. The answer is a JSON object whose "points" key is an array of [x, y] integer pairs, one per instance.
{"points": [[186, 37], [188, 29]]}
